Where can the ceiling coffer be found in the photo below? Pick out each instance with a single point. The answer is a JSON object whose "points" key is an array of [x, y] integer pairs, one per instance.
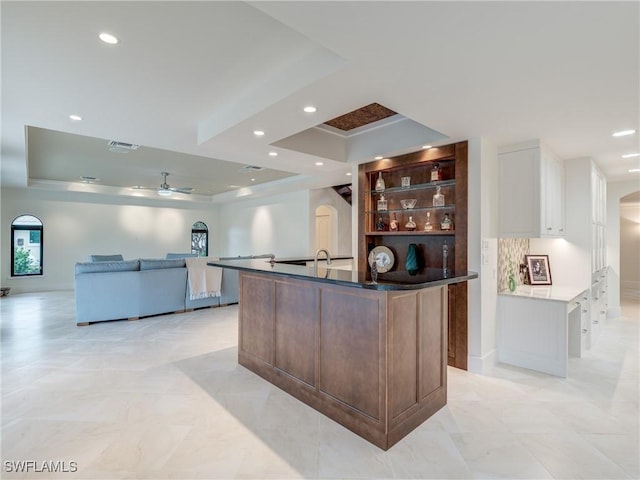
{"points": [[122, 145]]}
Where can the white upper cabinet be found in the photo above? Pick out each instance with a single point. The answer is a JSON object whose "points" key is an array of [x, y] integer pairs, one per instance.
{"points": [[586, 189], [531, 192]]}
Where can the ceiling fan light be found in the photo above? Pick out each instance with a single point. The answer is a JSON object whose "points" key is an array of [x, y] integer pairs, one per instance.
{"points": [[164, 192]]}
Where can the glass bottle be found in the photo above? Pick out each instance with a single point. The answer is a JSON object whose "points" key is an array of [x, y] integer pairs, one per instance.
{"points": [[374, 272], [446, 223], [410, 225], [435, 173], [438, 198], [380, 186], [393, 226], [445, 259], [428, 226], [382, 203]]}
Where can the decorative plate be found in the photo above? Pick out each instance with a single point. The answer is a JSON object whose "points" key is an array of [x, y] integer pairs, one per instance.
{"points": [[383, 257]]}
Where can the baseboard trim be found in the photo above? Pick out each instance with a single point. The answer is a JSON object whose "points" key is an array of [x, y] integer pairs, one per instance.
{"points": [[614, 312], [482, 364]]}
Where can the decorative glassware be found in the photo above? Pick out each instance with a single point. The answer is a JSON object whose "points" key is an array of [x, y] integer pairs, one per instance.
{"points": [[411, 264], [405, 182], [382, 203], [438, 198], [435, 173], [428, 227], [393, 226], [447, 223], [374, 272], [410, 225], [445, 259], [380, 224], [380, 186], [408, 203]]}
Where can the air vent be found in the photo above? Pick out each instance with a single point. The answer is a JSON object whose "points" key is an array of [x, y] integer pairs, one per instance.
{"points": [[253, 168], [121, 146]]}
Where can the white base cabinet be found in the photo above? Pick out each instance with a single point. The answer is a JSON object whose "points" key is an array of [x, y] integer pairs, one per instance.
{"points": [[599, 304], [540, 327]]}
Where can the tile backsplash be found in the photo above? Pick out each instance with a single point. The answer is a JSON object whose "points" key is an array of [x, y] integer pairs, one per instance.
{"points": [[511, 249]]}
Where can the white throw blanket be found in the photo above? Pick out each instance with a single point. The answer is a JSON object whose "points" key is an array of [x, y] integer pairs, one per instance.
{"points": [[204, 281]]}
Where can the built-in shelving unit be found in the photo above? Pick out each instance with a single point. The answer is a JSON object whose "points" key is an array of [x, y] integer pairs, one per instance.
{"points": [[374, 224]]}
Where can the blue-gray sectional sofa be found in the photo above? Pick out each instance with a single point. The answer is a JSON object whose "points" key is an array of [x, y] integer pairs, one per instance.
{"points": [[108, 289]]}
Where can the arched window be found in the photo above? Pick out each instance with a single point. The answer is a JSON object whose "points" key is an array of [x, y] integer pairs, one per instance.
{"points": [[200, 239], [26, 246]]}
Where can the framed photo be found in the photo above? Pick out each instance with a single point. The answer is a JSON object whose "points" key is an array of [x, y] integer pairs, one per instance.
{"points": [[539, 271]]}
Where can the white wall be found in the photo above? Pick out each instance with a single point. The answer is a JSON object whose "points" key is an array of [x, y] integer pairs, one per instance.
{"points": [[482, 254], [570, 265], [76, 225], [615, 191], [328, 196], [278, 224]]}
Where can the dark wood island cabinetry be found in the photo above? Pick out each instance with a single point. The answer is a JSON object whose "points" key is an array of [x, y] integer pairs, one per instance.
{"points": [[371, 356]]}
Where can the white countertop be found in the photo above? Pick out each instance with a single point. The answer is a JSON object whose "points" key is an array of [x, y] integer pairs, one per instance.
{"points": [[546, 292]]}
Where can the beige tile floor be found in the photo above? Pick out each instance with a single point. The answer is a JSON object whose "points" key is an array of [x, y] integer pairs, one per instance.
{"points": [[163, 397]]}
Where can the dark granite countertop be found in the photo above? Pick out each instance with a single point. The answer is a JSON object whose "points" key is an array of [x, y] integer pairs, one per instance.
{"points": [[303, 260], [395, 280]]}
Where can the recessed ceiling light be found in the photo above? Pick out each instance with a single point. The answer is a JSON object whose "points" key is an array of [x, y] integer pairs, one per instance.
{"points": [[426, 147], [348, 174], [624, 133], [630, 155], [310, 109], [379, 157], [258, 133], [75, 118], [634, 170], [253, 179], [319, 164], [273, 154], [108, 38]]}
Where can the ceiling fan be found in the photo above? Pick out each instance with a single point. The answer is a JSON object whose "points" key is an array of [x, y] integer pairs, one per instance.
{"points": [[165, 189]]}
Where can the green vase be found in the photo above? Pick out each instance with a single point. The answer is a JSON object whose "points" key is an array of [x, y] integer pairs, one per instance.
{"points": [[411, 264], [512, 283]]}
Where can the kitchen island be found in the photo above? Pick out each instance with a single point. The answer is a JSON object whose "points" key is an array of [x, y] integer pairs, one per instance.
{"points": [[370, 355]]}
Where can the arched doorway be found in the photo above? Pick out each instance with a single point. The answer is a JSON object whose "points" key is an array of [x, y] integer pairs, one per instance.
{"points": [[630, 246]]}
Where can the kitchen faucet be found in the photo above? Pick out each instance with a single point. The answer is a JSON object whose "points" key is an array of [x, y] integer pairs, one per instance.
{"points": [[315, 261]]}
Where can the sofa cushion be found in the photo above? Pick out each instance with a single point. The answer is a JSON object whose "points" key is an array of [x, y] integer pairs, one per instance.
{"points": [[156, 264], [181, 255], [95, 267], [105, 258]]}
